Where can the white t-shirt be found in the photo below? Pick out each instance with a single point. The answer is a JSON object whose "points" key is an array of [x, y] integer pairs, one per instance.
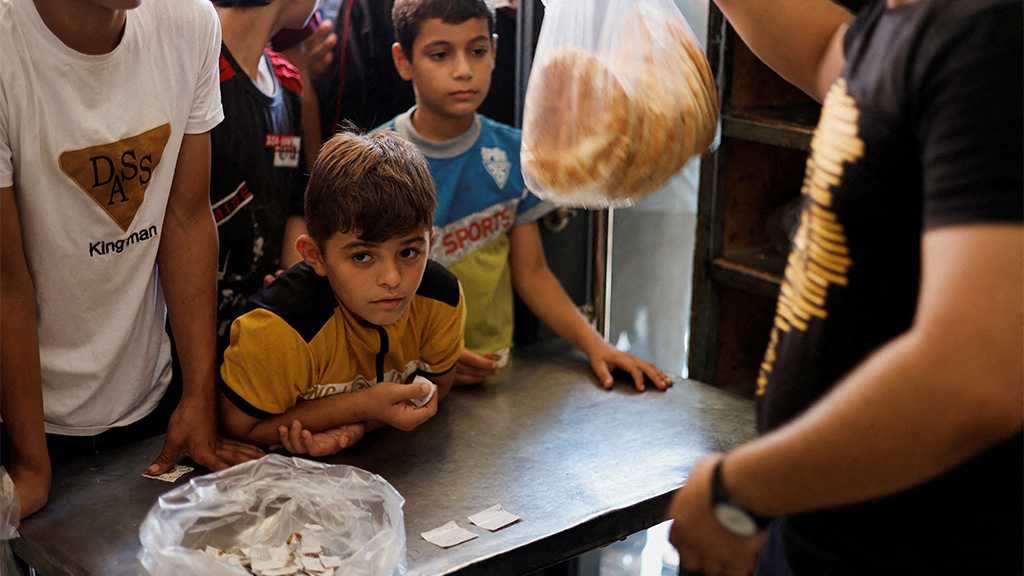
{"points": [[265, 77], [90, 144]]}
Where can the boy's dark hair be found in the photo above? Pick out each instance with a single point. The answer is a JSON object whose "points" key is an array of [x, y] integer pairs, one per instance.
{"points": [[407, 15], [375, 185]]}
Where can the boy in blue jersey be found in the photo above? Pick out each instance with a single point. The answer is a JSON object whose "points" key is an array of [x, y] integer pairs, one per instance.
{"points": [[488, 234]]}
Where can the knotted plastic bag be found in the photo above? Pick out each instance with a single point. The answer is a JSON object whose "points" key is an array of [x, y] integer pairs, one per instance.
{"points": [[263, 502], [620, 97]]}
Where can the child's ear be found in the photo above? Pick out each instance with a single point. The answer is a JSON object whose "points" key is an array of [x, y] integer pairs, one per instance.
{"points": [[494, 44], [402, 64], [311, 254]]}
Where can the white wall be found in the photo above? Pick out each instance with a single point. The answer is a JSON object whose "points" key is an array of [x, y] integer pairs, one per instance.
{"points": [[652, 257]]}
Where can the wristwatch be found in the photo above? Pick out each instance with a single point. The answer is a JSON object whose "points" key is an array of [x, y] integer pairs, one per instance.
{"points": [[732, 516]]}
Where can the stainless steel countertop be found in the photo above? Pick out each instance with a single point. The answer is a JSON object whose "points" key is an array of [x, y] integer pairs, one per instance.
{"points": [[583, 467]]}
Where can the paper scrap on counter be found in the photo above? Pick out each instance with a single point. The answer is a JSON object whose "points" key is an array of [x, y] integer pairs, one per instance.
{"points": [[331, 561], [302, 555], [503, 358], [312, 564], [494, 518], [423, 401], [451, 534], [171, 475]]}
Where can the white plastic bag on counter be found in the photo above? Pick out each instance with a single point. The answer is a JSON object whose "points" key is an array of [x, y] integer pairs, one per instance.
{"points": [[265, 501], [620, 97], [10, 514], [10, 507]]}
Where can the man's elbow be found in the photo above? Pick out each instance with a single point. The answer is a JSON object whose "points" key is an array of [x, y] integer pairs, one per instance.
{"points": [[1002, 381], [994, 406], [978, 371], [1008, 407]]}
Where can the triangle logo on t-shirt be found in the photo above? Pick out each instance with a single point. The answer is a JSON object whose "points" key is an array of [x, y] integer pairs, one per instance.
{"points": [[497, 165], [116, 175]]}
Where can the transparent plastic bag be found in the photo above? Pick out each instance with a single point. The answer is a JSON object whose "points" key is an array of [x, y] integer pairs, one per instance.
{"points": [[10, 514], [263, 502], [10, 507], [620, 97]]}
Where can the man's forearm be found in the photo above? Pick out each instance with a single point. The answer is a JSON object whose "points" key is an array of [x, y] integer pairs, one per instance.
{"points": [[791, 36], [906, 415], [188, 272], [21, 399]]}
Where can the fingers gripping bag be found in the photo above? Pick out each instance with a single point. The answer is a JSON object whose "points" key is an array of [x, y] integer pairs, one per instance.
{"points": [[620, 97], [275, 514]]}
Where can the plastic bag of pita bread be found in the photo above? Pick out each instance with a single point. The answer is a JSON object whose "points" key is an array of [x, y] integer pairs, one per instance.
{"points": [[620, 97]]}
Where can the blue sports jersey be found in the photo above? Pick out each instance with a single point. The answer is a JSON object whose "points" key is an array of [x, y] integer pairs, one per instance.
{"points": [[480, 197]]}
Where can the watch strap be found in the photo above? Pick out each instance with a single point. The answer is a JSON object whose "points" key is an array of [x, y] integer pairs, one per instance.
{"points": [[720, 494]]}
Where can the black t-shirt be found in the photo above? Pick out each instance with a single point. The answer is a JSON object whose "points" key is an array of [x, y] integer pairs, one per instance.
{"points": [[922, 130], [257, 179]]}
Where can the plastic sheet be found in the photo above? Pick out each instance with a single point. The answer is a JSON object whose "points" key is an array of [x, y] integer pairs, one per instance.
{"points": [[620, 97], [10, 512], [10, 507], [264, 501]]}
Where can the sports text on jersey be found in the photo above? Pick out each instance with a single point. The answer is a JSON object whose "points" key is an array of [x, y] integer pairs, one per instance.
{"points": [[471, 232]]}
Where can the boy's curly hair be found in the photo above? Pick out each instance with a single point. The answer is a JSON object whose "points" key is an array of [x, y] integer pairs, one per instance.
{"points": [[377, 186], [406, 16]]}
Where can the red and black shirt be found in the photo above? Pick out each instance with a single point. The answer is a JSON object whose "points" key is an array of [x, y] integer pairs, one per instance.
{"points": [[257, 180]]}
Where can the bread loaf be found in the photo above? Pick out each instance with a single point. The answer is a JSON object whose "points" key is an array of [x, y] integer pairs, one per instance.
{"points": [[614, 129], [577, 123]]}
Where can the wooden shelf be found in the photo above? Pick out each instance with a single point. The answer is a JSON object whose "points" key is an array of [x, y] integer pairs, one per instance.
{"points": [[746, 189], [789, 127], [758, 271]]}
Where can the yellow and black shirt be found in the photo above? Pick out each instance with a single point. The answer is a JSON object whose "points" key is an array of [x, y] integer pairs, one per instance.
{"points": [[297, 342]]}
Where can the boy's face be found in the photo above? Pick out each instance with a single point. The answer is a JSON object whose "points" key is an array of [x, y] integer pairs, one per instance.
{"points": [[451, 65], [375, 281]]}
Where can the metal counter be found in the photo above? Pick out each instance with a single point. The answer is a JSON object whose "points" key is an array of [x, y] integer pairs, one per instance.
{"points": [[583, 467]]}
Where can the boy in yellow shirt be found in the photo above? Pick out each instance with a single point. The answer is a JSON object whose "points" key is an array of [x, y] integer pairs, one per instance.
{"points": [[487, 219], [329, 348]]}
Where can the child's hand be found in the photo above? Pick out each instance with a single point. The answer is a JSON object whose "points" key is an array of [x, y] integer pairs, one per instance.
{"points": [[390, 404], [318, 49], [331, 441], [269, 278], [473, 368], [604, 357]]}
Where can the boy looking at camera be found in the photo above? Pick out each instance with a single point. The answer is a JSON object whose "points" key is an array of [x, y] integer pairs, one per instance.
{"points": [[326, 350]]}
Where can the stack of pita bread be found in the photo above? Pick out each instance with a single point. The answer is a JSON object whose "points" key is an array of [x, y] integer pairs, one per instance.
{"points": [[607, 130]]}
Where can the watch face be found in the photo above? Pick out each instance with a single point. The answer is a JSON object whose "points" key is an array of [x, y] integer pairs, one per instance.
{"points": [[735, 520]]}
